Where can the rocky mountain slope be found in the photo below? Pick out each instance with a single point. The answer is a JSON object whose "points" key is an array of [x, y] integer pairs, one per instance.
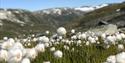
{"points": [[15, 22], [18, 21], [112, 14]]}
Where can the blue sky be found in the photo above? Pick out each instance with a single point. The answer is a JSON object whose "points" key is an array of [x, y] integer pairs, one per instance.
{"points": [[44, 4]]}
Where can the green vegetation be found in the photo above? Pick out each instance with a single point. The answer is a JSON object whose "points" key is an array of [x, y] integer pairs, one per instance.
{"points": [[107, 14], [81, 54]]}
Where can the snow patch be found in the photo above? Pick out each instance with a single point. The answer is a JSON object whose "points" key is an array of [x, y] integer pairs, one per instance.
{"points": [[46, 11], [85, 9], [58, 11], [3, 15]]}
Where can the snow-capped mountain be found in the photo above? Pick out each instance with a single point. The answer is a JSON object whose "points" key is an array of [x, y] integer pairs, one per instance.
{"points": [[60, 11], [19, 21], [10, 14], [90, 8], [103, 15], [85, 8]]}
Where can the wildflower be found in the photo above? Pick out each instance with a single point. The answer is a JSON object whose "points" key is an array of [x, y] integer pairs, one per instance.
{"points": [[111, 59], [25, 60], [74, 37], [34, 39], [66, 47], [61, 31], [7, 44], [72, 49], [122, 35], [103, 36], [110, 40], [11, 40], [91, 39], [52, 49], [43, 39], [47, 45], [18, 45], [31, 53], [87, 43], [118, 37], [3, 55], [58, 54], [79, 42], [83, 36], [60, 37], [73, 31], [46, 62], [120, 58], [117, 10], [15, 56], [47, 32], [40, 47], [120, 46], [5, 38]]}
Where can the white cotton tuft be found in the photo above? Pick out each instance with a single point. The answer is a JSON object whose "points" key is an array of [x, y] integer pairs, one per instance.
{"points": [[31, 53], [61, 31], [74, 37], [3, 55], [34, 39], [117, 10], [5, 38], [47, 44], [11, 40], [58, 54], [87, 43], [83, 36], [40, 47], [43, 39], [110, 39], [103, 36], [91, 39], [8, 44], [46, 61], [47, 32], [111, 59], [120, 46], [52, 49], [25, 60], [122, 35], [66, 47], [118, 37], [18, 45], [73, 31], [120, 58], [15, 56], [60, 37], [79, 42]]}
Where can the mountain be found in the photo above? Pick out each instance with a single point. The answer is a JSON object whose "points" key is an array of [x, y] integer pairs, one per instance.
{"points": [[111, 14], [90, 8], [58, 16], [19, 21], [16, 22]]}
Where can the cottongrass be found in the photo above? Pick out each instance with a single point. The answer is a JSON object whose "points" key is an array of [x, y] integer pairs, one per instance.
{"points": [[25, 60], [58, 54], [118, 58], [61, 31], [61, 47], [40, 47], [3, 55]]}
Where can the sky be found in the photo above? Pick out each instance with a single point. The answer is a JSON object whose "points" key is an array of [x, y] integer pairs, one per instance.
{"points": [[44, 4]]}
